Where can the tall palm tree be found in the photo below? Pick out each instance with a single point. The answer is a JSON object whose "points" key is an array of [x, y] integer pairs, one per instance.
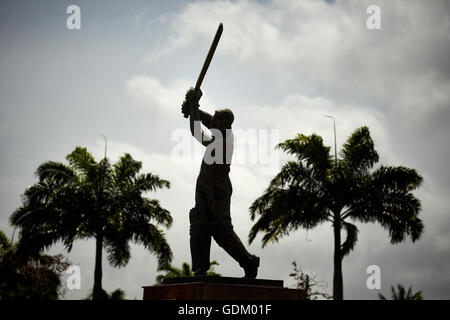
{"points": [[402, 294], [315, 188], [89, 199]]}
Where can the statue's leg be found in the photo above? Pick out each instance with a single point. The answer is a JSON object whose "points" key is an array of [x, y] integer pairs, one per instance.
{"points": [[226, 238], [223, 232], [200, 242]]}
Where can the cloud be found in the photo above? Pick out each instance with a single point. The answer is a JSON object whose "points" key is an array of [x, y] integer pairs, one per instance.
{"points": [[299, 113], [276, 32], [148, 92], [330, 46], [163, 100]]}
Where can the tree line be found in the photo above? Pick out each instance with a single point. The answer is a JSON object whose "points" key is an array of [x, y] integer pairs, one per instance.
{"points": [[86, 199]]}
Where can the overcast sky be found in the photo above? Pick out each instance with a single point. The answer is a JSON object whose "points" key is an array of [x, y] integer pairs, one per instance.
{"points": [[280, 65]]}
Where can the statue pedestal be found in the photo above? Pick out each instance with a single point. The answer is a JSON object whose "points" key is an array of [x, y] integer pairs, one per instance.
{"points": [[221, 288]]}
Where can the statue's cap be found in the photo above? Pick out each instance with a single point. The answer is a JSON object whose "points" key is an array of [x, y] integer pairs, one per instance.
{"points": [[228, 114]]}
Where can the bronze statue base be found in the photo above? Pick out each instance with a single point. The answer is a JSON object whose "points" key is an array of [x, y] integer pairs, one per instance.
{"points": [[221, 288]]}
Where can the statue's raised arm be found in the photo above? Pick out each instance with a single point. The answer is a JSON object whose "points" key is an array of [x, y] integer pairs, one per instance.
{"points": [[190, 106]]}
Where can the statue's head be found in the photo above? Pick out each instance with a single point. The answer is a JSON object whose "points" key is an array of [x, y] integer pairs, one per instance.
{"points": [[222, 119]]}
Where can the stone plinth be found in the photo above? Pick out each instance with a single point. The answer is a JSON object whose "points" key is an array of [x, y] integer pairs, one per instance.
{"points": [[221, 288]]}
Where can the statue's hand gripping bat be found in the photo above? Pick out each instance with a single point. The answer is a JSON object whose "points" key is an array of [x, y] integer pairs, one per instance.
{"points": [[208, 59]]}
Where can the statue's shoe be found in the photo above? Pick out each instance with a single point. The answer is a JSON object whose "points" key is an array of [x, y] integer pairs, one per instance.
{"points": [[251, 271]]}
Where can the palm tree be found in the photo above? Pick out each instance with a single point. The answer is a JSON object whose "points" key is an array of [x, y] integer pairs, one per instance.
{"points": [[402, 294], [29, 278], [89, 199], [117, 294], [315, 188], [185, 271]]}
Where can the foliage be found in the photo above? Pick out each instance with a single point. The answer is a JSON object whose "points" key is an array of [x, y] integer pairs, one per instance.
{"points": [[402, 294], [27, 278], [115, 295], [88, 199], [315, 188], [309, 284], [184, 271]]}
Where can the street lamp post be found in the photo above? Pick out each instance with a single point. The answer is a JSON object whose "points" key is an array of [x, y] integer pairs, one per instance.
{"points": [[334, 128]]}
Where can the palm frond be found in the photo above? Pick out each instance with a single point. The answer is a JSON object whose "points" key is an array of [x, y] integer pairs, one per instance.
{"points": [[350, 241], [388, 178], [82, 160], [358, 151], [158, 213], [284, 210], [381, 297], [126, 168], [154, 240], [186, 270], [149, 182], [394, 293], [416, 296], [56, 172], [5, 244], [33, 240], [399, 293], [117, 248], [309, 149], [386, 197], [296, 173]]}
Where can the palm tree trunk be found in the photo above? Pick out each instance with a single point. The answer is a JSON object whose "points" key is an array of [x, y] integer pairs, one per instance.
{"points": [[338, 290], [97, 292]]}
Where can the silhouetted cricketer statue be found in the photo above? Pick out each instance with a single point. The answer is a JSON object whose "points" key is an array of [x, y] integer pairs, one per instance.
{"points": [[211, 215]]}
